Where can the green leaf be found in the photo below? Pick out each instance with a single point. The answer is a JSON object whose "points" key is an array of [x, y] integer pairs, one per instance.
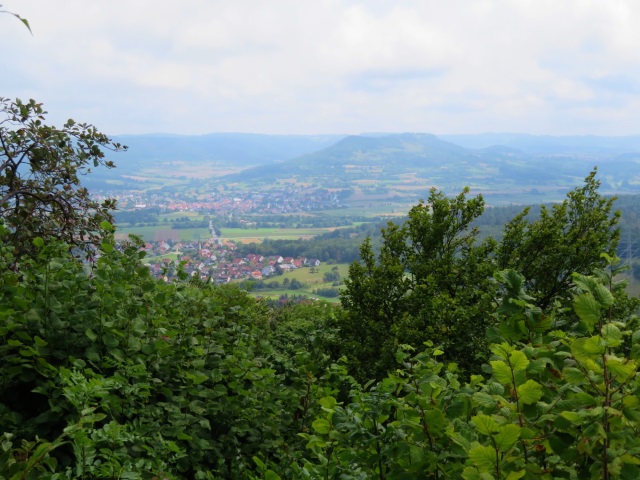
{"points": [[587, 308], [435, 421], [484, 400], [321, 425], [529, 392], [106, 226], [516, 475], [612, 335], [584, 349], [484, 458], [506, 437], [106, 247], [501, 372], [573, 417], [573, 376], [603, 295], [518, 360], [584, 282], [485, 424], [38, 242], [92, 335]]}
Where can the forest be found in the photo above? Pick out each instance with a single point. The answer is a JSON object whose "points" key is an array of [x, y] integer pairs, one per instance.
{"points": [[450, 356]]}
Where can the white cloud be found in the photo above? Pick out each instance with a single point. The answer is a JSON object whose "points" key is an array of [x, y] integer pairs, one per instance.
{"points": [[538, 66]]}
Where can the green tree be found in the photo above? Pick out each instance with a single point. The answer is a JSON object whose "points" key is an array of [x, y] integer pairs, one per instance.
{"points": [[430, 281], [40, 169], [568, 238]]}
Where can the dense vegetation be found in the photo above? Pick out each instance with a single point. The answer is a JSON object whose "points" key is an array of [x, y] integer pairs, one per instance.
{"points": [[451, 356]]}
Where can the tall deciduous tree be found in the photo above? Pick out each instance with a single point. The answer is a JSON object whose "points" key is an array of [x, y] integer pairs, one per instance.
{"points": [[40, 170], [568, 238], [431, 281]]}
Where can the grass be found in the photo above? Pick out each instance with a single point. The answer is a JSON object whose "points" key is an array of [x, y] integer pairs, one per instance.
{"points": [[311, 281]]}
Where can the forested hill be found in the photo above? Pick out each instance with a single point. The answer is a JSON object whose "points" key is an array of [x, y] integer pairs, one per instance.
{"points": [[391, 158]]}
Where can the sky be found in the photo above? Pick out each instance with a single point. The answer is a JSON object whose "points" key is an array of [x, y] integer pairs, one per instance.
{"points": [[555, 67]]}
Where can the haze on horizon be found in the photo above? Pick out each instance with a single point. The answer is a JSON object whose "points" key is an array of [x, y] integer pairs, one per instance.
{"points": [[329, 66]]}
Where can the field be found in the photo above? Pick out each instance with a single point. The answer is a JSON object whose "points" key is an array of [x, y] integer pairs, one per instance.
{"points": [[311, 280]]}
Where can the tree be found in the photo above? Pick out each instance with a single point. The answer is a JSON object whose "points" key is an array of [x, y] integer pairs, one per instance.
{"points": [[40, 169], [568, 238], [430, 281]]}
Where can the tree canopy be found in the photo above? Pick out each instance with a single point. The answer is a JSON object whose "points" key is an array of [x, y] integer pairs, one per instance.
{"points": [[41, 166]]}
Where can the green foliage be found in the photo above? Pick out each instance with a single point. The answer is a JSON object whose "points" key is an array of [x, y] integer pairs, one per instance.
{"points": [[567, 238], [418, 288], [40, 169], [135, 377], [554, 404]]}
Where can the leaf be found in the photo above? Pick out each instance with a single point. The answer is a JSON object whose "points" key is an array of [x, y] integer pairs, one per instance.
{"points": [[106, 247], [506, 437], [585, 349], [529, 392], [573, 417], [38, 242], [573, 376], [612, 335], [321, 425], [623, 370], [484, 400], [484, 458], [584, 282], [603, 295], [435, 421], [485, 424], [587, 308], [271, 475], [516, 475], [91, 334], [501, 372], [518, 360]]}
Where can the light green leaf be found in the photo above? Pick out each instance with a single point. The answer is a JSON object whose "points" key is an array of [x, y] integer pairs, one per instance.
{"points": [[573, 417], [529, 392], [484, 458], [321, 425], [584, 349], [38, 242], [516, 475], [484, 400], [501, 372], [587, 308], [622, 369], [485, 424], [612, 335], [573, 376], [518, 360], [506, 437], [328, 402]]}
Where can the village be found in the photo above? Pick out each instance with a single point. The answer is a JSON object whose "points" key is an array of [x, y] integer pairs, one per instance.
{"points": [[215, 260]]}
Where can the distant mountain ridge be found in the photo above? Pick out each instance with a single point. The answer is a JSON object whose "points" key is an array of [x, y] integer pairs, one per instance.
{"points": [[242, 149]]}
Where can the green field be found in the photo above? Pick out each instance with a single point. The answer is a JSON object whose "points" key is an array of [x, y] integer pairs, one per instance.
{"points": [[310, 280]]}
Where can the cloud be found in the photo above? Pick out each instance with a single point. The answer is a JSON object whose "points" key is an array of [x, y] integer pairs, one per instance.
{"points": [[330, 65]]}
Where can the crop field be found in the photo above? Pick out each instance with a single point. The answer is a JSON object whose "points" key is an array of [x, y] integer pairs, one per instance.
{"points": [[271, 233], [310, 279], [162, 232]]}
